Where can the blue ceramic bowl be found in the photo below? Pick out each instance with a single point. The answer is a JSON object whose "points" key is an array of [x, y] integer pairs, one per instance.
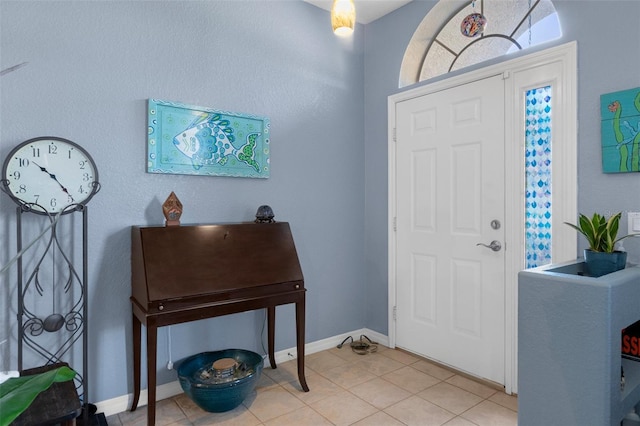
{"points": [[219, 397]]}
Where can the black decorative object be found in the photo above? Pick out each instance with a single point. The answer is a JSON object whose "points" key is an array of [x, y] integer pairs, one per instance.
{"points": [[264, 215]]}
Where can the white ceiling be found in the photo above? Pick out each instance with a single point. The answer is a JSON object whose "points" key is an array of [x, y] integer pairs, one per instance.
{"points": [[366, 10]]}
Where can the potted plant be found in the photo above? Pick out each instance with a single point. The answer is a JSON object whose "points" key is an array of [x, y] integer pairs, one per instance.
{"points": [[17, 394], [601, 257]]}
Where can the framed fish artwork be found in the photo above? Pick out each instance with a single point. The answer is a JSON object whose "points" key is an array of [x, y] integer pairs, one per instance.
{"points": [[192, 140]]}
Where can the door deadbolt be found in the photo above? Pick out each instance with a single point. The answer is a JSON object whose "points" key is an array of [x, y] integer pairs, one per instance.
{"points": [[495, 224]]}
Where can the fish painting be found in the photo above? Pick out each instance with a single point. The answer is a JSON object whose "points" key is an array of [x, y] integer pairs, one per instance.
{"points": [[195, 140], [210, 140]]}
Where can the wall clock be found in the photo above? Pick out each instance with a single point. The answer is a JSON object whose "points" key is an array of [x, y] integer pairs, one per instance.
{"points": [[50, 175]]}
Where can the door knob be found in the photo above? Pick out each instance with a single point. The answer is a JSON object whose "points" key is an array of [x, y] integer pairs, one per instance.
{"points": [[493, 245]]}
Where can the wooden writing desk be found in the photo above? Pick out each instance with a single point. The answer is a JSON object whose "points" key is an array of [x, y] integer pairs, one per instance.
{"points": [[188, 273]]}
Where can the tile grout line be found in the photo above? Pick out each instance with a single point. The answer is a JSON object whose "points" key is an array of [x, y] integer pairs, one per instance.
{"points": [[285, 378]]}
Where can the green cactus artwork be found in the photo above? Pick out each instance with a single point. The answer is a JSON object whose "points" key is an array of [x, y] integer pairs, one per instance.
{"points": [[620, 112]]}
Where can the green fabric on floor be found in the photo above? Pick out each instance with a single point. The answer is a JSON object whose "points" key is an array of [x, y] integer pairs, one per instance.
{"points": [[16, 394]]}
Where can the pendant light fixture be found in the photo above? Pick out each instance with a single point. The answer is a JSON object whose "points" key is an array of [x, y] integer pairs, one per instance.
{"points": [[343, 17]]}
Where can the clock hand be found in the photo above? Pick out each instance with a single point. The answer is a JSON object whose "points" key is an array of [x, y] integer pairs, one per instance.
{"points": [[52, 176]]}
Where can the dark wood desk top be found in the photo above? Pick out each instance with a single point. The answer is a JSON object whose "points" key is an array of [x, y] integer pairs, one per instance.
{"points": [[177, 267]]}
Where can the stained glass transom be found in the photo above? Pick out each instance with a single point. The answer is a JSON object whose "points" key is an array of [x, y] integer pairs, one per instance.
{"points": [[538, 176], [439, 46]]}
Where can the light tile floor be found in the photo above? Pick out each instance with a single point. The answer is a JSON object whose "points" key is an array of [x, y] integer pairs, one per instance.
{"points": [[385, 388]]}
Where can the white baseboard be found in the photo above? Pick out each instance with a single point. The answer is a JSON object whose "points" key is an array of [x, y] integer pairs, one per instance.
{"points": [[122, 403]]}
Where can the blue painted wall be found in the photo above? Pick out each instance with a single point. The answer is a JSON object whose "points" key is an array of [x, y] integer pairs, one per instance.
{"points": [[91, 68], [92, 65], [608, 60]]}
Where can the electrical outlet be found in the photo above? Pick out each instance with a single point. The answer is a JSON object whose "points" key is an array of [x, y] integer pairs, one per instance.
{"points": [[633, 222]]}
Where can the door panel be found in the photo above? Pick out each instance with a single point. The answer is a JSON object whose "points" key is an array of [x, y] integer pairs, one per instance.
{"points": [[450, 186]]}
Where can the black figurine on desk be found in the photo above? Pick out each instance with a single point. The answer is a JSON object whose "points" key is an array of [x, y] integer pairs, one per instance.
{"points": [[264, 215]]}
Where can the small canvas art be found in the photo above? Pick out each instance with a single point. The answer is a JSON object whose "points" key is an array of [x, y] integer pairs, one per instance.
{"points": [[192, 140], [620, 113]]}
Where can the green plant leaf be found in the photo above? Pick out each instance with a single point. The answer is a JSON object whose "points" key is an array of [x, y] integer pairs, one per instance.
{"points": [[16, 394], [611, 230], [599, 232]]}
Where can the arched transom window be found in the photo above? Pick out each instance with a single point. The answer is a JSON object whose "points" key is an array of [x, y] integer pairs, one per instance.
{"points": [[446, 40]]}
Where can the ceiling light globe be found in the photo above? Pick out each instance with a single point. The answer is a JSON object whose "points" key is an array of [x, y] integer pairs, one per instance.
{"points": [[343, 17]]}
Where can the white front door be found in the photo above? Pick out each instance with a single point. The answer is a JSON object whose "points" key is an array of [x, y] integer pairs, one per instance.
{"points": [[450, 206], [443, 298]]}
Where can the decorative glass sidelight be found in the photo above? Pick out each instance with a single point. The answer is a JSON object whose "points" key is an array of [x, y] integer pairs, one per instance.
{"points": [[538, 176]]}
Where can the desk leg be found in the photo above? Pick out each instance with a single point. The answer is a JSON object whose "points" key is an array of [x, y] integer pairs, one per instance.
{"points": [[300, 324], [152, 350], [137, 337], [271, 322]]}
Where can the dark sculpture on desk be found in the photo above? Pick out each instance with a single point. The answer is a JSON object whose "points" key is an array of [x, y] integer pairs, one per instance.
{"points": [[264, 215]]}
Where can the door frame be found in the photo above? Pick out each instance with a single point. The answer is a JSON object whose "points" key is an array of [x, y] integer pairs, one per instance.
{"points": [[556, 66]]}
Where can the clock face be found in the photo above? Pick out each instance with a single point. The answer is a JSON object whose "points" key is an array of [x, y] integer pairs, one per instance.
{"points": [[50, 174]]}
